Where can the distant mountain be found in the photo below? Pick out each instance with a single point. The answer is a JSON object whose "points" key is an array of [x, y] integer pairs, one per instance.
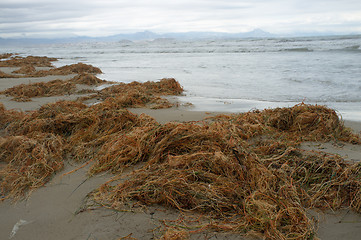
{"points": [[257, 33], [145, 35], [148, 35]]}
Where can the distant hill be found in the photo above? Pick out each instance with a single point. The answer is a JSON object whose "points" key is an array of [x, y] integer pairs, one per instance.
{"points": [[145, 35], [148, 35]]}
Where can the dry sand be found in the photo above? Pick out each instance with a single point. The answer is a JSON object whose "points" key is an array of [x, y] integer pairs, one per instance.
{"points": [[50, 212]]}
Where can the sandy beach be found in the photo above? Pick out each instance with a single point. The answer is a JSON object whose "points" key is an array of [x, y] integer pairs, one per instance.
{"points": [[56, 210]]}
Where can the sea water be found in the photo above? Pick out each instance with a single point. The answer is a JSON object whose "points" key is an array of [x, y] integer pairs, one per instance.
{"points": [[231, 75]]}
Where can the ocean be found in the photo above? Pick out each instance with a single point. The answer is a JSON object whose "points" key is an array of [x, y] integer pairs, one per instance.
{"points": [[231, 75]]}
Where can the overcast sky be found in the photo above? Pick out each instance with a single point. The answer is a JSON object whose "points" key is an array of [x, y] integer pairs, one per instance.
{"points": [[55, 18]]}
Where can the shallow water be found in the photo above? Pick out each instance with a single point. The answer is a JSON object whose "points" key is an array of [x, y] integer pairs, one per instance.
{"points": [[235, 74]]}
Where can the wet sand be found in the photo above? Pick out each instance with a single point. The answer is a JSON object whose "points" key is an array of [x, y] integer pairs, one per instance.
{"points": [[51, 211]]}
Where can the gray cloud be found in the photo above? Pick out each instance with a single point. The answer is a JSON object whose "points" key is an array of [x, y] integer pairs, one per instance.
{"points": [[106, 17]]}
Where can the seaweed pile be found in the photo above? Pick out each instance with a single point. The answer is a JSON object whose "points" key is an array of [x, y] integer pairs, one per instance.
{"points": [[31, 161], [87, 79], [29, 64], [24, 92], [135, 94], [66, 70], [5, 55], [6, 75], [18, 61], [8, 116], [244, 172]]}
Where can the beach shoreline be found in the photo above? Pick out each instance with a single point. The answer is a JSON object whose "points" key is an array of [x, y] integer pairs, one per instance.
{"points": [[50, 211]]}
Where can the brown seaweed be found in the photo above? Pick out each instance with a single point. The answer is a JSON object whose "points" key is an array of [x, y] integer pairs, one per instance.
{"points": [[243, 172]]}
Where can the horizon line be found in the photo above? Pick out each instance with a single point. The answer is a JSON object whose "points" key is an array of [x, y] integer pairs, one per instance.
{"points": [[261, 31]]}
